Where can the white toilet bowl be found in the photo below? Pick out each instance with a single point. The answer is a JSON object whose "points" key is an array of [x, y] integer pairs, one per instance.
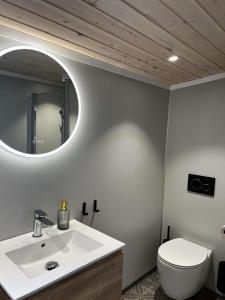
{"points": [[183, 267]]}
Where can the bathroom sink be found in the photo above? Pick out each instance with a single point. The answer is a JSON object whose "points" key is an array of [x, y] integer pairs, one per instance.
{"points": [[60, 249], [29, 264]]}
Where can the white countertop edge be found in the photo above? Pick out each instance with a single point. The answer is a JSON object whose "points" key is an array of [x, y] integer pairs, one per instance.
{"points": [[31, 286]]}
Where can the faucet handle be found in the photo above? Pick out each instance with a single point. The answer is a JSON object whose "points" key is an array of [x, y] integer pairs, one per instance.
{"points": [[38, 213]]}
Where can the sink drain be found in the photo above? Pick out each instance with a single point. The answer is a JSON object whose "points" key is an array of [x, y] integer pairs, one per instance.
{"points": [[51, 265]]}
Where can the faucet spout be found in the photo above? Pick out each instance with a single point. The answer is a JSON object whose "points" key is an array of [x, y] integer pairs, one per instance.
{"points": [[39, 219]]}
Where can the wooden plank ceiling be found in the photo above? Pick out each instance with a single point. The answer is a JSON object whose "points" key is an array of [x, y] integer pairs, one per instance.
{"points": [[136, 35]]}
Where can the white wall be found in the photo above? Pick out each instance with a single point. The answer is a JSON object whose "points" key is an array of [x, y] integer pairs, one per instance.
{"points": [[117, 157], [196, 144]]}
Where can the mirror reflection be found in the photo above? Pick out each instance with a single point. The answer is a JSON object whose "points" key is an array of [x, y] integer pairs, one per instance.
{"points": [[38, 102]]}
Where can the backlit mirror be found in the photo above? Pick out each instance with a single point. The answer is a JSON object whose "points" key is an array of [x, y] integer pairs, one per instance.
{"points": [[38, 102]]}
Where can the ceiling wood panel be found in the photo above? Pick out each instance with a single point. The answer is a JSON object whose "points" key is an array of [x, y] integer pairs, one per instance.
{"points": [[194, 15], [137, 36], [115, 28], [137, 57], [16, 26], [134, 19], [157, 12], [75, 37], [215, 9]]}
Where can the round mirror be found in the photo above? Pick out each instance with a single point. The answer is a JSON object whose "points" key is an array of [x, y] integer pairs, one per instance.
{"points": [[38, 102]]}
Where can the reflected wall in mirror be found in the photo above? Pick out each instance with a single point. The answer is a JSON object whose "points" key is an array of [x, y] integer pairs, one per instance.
{"points": [[38, 102]]}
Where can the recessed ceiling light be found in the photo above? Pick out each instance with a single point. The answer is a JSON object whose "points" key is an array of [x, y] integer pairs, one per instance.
{"points": [[173, 58]]}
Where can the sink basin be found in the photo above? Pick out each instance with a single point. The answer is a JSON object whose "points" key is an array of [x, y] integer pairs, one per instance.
{"points": [[29, 264], [61, 249]]}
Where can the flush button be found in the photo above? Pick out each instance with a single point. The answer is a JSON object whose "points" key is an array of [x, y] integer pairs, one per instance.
{"points": [[196, 184], [201, 184], [206, 187]]}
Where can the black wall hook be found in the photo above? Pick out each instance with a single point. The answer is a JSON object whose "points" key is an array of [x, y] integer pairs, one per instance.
{"points": [[95, 207], [84, 213]]}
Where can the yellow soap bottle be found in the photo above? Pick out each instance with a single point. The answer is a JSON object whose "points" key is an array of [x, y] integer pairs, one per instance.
{"points": [[63, 219]]}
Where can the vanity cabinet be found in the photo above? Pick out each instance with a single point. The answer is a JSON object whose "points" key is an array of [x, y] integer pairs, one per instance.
{"points": [[100, 281]]}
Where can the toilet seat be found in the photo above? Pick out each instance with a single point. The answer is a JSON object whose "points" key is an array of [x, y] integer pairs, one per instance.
{"points": [[180, 253], [176, 266]]}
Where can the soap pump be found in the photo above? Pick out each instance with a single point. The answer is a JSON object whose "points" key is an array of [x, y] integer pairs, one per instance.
{"points": [[63, 216]]}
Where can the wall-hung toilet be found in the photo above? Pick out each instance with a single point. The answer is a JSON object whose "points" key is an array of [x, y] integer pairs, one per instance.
{"points": [[183, 267]]}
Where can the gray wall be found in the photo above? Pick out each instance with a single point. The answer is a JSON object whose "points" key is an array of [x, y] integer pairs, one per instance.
{"points": [[116, 156], [196, 144]]}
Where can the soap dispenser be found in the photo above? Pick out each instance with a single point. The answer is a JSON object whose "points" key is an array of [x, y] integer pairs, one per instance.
{"points": [[63, 216]]}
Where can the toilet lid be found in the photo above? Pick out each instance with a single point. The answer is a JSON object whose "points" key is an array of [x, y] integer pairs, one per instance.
{"points": [[182, 253]]}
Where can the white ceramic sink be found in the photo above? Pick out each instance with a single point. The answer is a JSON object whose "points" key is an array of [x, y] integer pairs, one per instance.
{"points": [[23, 259], [62, 249]]}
